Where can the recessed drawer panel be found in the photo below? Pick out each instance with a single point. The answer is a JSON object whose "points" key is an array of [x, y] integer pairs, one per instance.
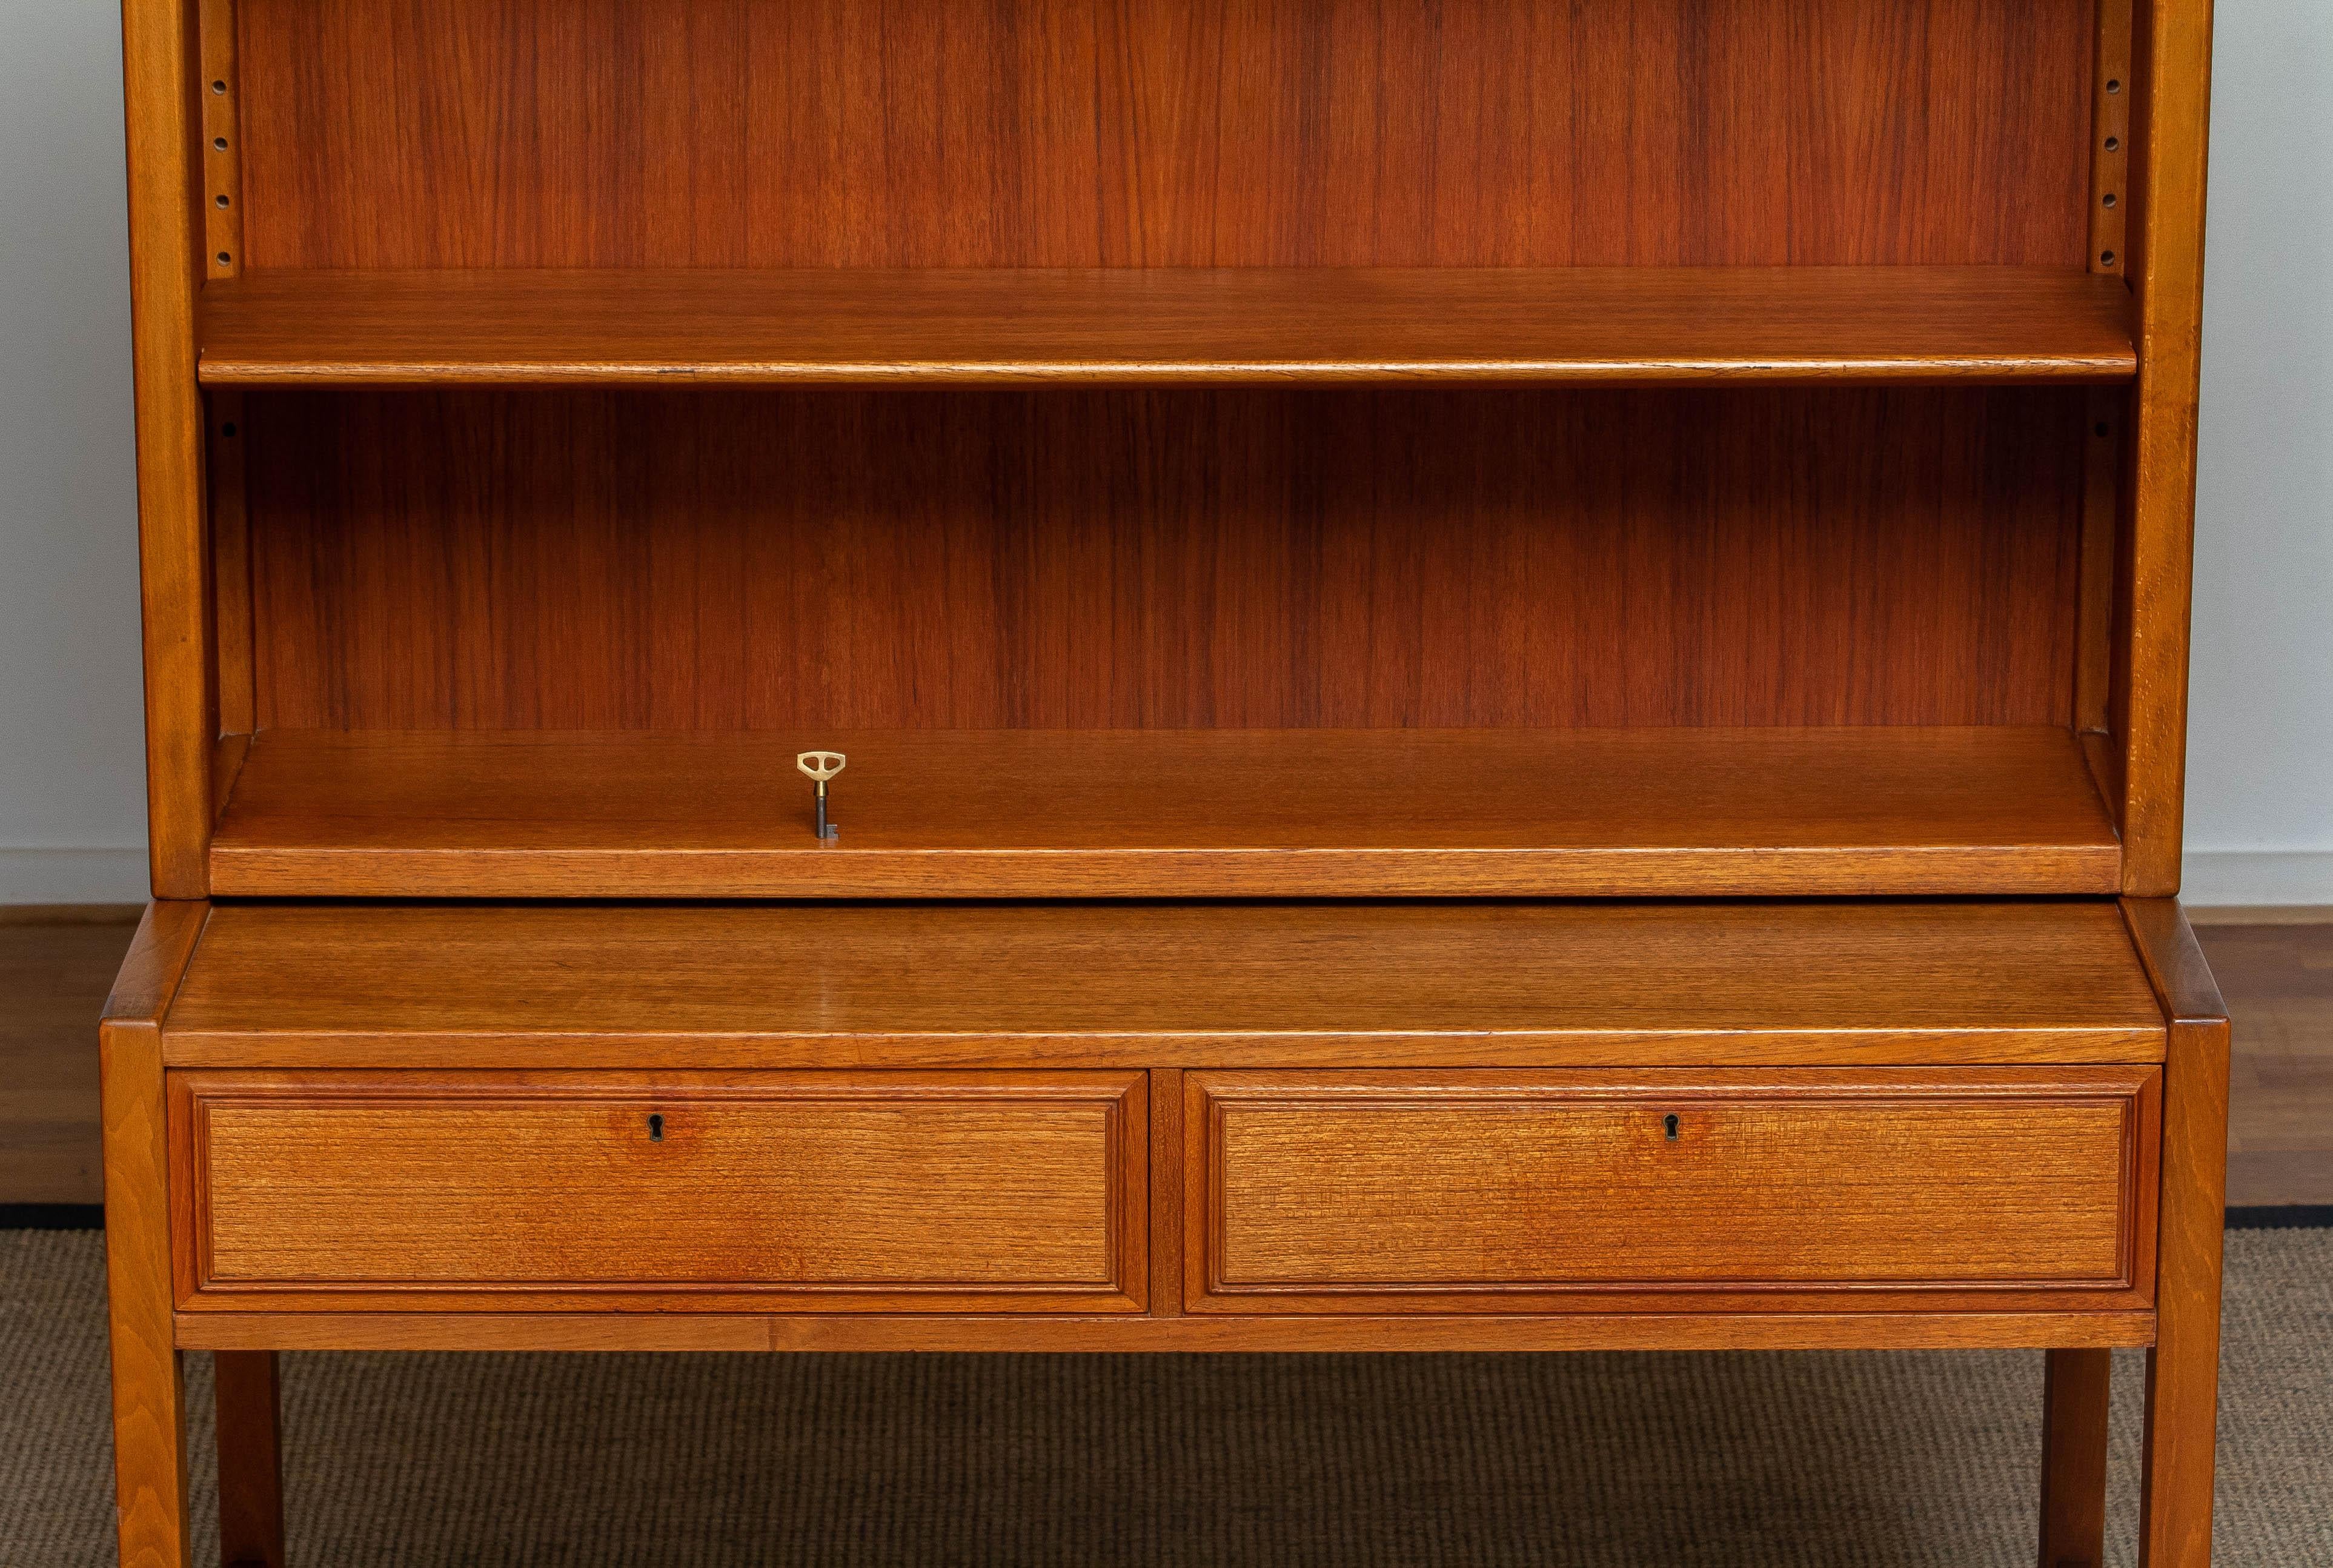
{"points": [[756, 1191], [1528, 1192]]}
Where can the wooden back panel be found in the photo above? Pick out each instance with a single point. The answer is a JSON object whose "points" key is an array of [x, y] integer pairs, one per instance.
{"points": [[1250, 559], [1163, 132]]}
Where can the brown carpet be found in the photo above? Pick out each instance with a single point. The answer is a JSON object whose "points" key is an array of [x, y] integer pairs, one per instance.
{"points": [[1741, 1460]]}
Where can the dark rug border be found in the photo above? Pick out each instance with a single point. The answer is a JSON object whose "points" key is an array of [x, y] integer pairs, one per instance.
{"points": [[52, 1216], [2282, 1217], [92, 1216]]}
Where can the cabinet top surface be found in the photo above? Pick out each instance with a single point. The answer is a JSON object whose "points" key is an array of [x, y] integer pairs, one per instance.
{"points": [[1488, 972]]}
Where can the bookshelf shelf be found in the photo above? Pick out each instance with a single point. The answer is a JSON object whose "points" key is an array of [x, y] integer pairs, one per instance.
{"points": [[1165, 327], [1184, 814]]}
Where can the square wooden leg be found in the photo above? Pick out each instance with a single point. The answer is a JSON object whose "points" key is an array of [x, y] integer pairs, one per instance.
{"points": [[2074, 1404], [149, 1446], [149, 1413], [250, 1461], [2182, 1371]]}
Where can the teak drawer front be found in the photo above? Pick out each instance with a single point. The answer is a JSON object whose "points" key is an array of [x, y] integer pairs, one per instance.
{"points": [[831, 1192], [1782, 1189]]}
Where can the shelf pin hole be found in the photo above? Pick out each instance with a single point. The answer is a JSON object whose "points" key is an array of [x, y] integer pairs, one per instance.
{"points": [[1670, 1124], [218, 144], [655, 1130], [2110, 198], [218, 87], [2114, 144], [2114, 87]]}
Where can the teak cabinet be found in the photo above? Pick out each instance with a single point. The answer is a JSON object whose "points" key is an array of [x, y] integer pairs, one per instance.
{"points": [[1513, 677]]}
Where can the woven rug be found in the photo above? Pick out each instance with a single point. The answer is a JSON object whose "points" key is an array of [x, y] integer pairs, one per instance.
{"points": [[1742, 1460]]}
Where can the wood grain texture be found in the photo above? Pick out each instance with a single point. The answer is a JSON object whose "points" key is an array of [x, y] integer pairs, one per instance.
{"points": [[1412, 1332], [1170, 560], [478, 133], [1168, 327], [250, 1459], [1516, 1192], [1182, 814], [2183, 1372], [2096, 640], [2075, 1397], [364, 985], [233, 642], [1166, 1100], [149, 1417], [685, 1192], [160, 44], [2170, 136]]}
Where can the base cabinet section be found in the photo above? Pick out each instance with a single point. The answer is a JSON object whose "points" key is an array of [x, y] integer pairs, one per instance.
{"points": [[1913, 1189], [817, 1192]]}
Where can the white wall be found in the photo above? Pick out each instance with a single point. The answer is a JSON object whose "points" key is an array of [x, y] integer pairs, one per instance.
{"points": [[72, 770], [2259, 801], [2260, 821]]}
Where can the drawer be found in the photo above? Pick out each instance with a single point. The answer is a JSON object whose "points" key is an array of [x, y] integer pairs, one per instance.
{"points": [[1690, 1189], [772, 1191]]}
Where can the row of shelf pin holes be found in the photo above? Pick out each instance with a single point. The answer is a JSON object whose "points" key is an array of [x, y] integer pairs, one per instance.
{"points": [[2114, 144], [219, 144]]}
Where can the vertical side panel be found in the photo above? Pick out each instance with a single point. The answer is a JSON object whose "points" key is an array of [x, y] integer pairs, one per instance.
{"points": [[150, 1419], [2182, 1371], [230, 531], [158, 39], [2101, 629], [2101, 519], [2172, 61]]}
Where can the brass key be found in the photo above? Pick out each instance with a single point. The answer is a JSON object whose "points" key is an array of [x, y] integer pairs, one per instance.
{"points": [[821, 766]]}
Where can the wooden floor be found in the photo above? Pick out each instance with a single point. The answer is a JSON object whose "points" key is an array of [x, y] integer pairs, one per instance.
{"points": [[2279, 981], [54, 973]]}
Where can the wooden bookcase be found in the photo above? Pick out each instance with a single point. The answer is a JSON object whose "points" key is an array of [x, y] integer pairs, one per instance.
{"points": [[1514, 677]]}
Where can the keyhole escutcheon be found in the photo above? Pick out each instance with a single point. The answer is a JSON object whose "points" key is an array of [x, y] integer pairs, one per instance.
{"points": [[1670, 1124]]}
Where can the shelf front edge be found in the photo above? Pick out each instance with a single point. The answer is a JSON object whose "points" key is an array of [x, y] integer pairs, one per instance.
{"points": [[239, 870]]}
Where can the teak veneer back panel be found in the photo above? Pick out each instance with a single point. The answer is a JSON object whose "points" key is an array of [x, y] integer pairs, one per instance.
{"points": [[1082, 560], [1164, 132]]}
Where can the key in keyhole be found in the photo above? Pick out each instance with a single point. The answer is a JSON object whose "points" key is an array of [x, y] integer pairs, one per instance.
{"points": [[656, 1129]]}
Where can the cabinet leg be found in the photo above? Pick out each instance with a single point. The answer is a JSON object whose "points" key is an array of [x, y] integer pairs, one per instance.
{"points": [[149, 1449], [250, 1461], [2182, 1371], [150, 1408], [2074, 1402]]}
